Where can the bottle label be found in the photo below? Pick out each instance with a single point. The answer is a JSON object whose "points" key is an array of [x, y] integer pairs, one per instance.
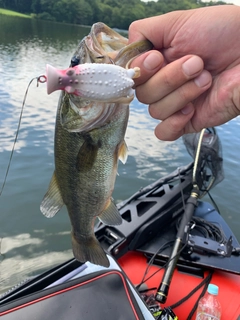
{"points": [[206, 316]]}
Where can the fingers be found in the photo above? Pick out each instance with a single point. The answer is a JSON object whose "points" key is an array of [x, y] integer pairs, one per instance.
{"points": [[176, 109], [169, 78], [176, 125], [170, 92], [180, 97], [149, 63]]}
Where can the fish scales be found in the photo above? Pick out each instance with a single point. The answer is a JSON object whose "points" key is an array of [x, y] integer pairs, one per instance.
{"points": [[89, 140]]}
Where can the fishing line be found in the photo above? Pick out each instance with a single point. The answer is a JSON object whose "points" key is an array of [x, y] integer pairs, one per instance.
{"points": [[0, 246], [213, 202], [40, 79]]}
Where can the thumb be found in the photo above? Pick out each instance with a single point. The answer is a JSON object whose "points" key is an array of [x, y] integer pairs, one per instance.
{"points": [[156, 29]]}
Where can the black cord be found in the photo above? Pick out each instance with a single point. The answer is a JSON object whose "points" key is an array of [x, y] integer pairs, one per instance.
{"points": [[164, 246], [213, 202], [202, 283], [207, 229], [205, 281]]}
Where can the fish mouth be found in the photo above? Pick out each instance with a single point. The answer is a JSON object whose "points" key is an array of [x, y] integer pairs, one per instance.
{"points": [[104, 45]]}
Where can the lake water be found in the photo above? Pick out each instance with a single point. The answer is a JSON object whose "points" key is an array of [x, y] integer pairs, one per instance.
{"points": [[29, 242]]}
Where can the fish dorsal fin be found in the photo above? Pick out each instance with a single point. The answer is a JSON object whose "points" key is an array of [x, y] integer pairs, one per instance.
{"points": [[52, 201], [110, 215], [123, 152]]}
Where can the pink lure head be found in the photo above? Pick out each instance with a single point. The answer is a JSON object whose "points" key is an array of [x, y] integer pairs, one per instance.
{"points": [[61, 79], [94, 81]]}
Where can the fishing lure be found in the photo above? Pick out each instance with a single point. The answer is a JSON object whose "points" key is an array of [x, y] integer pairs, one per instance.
{"points": [[94, 81]]}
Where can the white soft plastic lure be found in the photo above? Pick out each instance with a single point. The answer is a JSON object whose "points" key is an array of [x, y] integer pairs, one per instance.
{"points": [[94, 81]]}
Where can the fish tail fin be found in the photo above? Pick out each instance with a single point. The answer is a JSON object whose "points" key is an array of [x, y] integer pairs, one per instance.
{"points": [[89, 249]]}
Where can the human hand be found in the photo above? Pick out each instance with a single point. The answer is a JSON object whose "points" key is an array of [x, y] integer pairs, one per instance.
{"points": [[203, 92]]}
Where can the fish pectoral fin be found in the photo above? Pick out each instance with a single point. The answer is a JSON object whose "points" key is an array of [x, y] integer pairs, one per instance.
{"points": [[123, 152], [87, 155], [110, 215], [52, 201]]}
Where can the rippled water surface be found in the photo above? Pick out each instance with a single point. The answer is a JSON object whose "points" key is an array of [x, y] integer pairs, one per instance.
{"points": [[29, 242]]}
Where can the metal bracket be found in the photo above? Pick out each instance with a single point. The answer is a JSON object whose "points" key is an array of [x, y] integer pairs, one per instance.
{"points": [[196, 243]]}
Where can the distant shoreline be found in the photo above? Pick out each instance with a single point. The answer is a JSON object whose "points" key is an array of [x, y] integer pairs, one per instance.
{"points": [[11, 13], [14, 13]]}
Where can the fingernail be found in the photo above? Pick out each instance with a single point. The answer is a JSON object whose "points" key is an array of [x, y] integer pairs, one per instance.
{"points": [[152, 61], [187, 109], [203, 79], [192, 66]]}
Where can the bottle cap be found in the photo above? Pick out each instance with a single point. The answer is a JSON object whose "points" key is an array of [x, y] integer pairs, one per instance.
{"points": [[213, 289]]}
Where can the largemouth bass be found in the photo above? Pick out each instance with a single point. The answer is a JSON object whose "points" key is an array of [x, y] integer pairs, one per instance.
{"points": [[89, 140]]}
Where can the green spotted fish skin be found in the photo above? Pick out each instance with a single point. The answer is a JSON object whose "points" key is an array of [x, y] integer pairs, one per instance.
{"points": [[89, 140]]}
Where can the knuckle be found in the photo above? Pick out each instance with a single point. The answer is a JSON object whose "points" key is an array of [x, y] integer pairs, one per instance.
{"points": [[168, 80], [184, 95]]}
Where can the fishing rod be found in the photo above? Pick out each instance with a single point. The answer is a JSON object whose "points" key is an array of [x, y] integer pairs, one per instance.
{"points": [[207, 152]]}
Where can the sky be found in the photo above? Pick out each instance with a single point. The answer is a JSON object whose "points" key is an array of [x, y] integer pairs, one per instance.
{"points": [[236, 2]]}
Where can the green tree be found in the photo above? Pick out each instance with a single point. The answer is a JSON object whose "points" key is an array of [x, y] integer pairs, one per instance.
{"points": [[94, 9], [36, 6], [105, 14], [115, 13]]}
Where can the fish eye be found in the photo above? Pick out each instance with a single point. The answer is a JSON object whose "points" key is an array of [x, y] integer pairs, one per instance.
{"points": [[75, 61]]}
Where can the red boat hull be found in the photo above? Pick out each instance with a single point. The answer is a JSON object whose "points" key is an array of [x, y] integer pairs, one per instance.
{"points": [[134, 264]]}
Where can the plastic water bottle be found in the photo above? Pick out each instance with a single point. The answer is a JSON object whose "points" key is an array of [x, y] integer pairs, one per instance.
{"points": [[209, 307]]}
